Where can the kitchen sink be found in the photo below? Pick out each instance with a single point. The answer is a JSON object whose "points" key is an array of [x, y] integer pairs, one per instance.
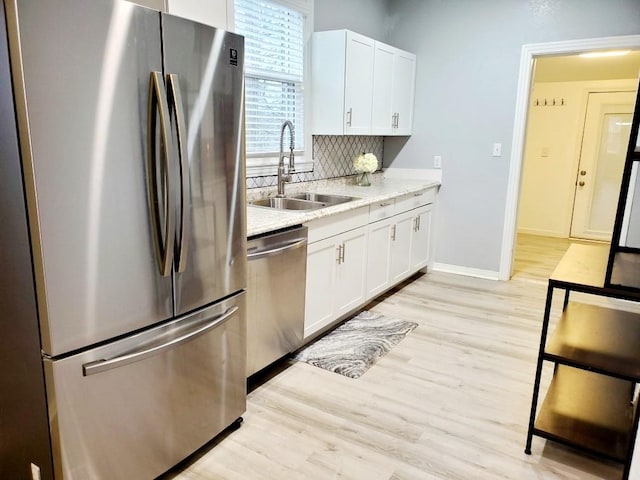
{"points": [[302, 201], [288, 204], [323, 197]]}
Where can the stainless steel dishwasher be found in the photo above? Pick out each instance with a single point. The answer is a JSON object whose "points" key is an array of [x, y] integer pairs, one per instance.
{"points": [[275, 296]]}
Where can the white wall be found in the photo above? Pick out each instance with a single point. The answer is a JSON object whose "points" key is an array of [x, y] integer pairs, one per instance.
{"points": [[552, 151], [467, 73], [367, 17]]}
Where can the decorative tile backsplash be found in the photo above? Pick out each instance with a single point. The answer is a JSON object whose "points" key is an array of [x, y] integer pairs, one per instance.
{"points": [[332, 158]]}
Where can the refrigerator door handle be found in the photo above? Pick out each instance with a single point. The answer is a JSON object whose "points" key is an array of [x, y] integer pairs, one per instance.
{"points": [[163, 238], [176, 107], [103, 365]]}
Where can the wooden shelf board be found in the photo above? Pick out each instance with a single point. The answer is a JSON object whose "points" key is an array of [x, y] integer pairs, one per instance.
{"points": [[588, 411], [597, 338], [582, 265]]}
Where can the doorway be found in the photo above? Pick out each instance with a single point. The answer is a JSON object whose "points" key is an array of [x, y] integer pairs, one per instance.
{"points": [[605, 138], [523, 104]]}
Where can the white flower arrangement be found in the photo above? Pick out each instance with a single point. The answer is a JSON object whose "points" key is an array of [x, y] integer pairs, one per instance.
{"points": [[365, 162]]}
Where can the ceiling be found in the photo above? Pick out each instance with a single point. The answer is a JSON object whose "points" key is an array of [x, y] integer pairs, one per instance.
{"points": [[570, 68]]}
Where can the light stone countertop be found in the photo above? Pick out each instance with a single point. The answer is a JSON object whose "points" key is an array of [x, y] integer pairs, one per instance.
{"points": [[262, 219]]}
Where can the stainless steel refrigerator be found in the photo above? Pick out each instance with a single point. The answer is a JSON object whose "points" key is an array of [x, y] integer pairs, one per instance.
{"points": [[128, 123]]}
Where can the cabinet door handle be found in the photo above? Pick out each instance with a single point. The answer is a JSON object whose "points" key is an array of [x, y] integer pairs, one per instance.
{"points": [[393, 233], [342, 256], [581, 184], [349, 114], [397, 120], [338, 254], [419, 222]]}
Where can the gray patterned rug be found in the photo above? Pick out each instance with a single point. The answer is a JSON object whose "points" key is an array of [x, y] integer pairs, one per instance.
{"points": [[357, 344]]}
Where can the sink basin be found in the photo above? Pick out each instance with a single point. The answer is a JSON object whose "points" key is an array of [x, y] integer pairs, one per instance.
{"points": [[302, 201], [323, 198], [288, 203]]}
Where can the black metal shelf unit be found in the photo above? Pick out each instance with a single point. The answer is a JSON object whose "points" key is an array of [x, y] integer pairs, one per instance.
{"points": [[590, 403]]}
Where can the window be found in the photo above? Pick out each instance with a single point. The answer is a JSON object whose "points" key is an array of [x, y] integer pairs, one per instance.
{"points": [[276, 33]]}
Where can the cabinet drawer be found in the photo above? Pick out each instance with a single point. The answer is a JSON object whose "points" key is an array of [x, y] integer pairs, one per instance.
{"points": [[380, 210], [415, 200], [161, 393], [335, 224]]}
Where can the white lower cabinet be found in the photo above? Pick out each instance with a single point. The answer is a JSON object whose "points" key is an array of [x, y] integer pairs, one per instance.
{"points": [[355, 256], [351, 271], [379, 258], [335, 278], [421, 238], [399, 246]]}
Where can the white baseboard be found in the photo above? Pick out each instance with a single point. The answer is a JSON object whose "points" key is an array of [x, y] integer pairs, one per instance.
{"points": [[414, 173], [467, 271]]}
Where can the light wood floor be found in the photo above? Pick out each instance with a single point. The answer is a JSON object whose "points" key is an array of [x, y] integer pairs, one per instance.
{"points": [[451, 401]]}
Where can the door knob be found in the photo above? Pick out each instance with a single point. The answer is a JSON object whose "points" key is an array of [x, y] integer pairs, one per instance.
{"points": [[581, 184], [583, 172]]}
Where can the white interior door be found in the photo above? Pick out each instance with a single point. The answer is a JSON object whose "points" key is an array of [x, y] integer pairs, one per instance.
{"points": [[604, 147]]}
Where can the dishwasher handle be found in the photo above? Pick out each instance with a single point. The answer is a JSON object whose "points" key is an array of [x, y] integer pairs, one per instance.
{"points": [[275, 250]]}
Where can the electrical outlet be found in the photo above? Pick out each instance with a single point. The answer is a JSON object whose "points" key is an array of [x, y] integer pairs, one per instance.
{"points": [[497, 149], [437, 161]]}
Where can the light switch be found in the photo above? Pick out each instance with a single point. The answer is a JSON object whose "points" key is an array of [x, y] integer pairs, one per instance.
{"points": [[437, 161], [497, 149]]}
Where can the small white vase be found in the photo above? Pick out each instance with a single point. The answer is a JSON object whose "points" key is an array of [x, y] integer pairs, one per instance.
{"points": [[363, 180]]}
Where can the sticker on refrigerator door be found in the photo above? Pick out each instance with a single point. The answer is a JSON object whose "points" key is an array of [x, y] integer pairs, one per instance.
{"points": [[233, 56]]}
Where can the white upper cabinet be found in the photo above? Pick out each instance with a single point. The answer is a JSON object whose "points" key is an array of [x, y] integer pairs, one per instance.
{"points": [[382, 109], [155, 4], [394, 77], [403, 92], [342, 83], [217, 13], [360, 86]]}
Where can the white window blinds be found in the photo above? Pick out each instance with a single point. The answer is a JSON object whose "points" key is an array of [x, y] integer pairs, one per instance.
{"points": [[274, 73]]}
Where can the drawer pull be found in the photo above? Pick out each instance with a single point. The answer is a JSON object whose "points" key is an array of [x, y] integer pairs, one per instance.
{"points": [[104, 364], [419, 194], [385, 204]]}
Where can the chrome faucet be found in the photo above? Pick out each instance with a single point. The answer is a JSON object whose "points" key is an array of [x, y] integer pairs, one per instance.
{"points": [[282, 178]]}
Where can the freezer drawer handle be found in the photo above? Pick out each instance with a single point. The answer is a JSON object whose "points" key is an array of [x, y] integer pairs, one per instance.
{"points": [[176, 107], [267, 252], [103, 365], [163, 241]]}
